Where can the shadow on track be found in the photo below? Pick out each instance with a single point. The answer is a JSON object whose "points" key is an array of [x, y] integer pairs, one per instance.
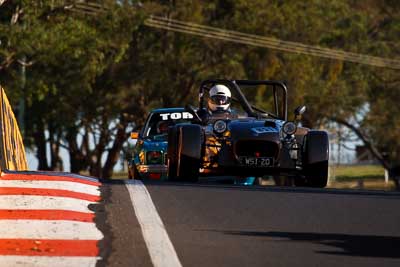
{"points": [[352, 245]]}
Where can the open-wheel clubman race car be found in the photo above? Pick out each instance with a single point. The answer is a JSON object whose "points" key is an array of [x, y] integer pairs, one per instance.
{"points": [[248, 141]]}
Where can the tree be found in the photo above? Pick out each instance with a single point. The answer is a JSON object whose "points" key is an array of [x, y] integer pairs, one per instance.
{"points": [[68, 52], [91, 78]]}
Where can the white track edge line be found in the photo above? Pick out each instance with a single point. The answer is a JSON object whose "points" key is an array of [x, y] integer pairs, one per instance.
{"points": [[159, 245]]}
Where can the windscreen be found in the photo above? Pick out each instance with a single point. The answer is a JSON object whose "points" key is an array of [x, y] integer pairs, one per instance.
{"points": [[157, 126], [264, 98]]}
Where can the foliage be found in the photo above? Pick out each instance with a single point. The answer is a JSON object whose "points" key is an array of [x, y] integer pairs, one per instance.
{"points": [[67, 53]]}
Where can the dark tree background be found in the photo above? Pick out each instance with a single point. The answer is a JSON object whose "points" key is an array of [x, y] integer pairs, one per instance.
{"points": [[92, 76]]}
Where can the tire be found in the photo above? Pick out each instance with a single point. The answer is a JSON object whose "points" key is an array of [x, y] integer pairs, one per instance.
{"points": [[172, 153], [188, 169], [300, 181], [316, 159], [184, 152], [317, 174]]}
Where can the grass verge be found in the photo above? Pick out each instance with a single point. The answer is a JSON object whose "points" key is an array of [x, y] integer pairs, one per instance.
{"points": [[344, 173]]}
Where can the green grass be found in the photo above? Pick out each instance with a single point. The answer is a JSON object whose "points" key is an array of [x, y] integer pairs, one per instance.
{"points": [[356, 172], [120, 175]]}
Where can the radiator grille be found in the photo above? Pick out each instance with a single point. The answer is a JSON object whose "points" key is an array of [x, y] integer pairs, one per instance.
{"points": [[258, 148]]}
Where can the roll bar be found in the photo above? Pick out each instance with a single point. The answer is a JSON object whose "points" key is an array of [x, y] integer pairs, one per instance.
{"points": [[235, 86]]}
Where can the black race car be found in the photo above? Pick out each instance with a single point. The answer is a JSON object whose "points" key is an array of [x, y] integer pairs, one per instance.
{"points": [[248, 141]]}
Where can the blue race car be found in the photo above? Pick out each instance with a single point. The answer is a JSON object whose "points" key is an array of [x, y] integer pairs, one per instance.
{"points": [[149, 156]]}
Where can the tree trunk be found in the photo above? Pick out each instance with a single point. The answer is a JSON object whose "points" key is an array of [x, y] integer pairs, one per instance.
{"points": [[375, 152], [56, 163], [114, 153], [95, 160], [40, 141], [77, 159], [373, 149]]}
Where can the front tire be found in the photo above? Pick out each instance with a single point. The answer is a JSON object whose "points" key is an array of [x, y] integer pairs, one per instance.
{"points": [[184, 152], [172, 153], [317, 174], [316, 158]]}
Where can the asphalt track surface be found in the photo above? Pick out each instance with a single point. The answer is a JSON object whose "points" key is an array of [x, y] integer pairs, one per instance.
{"points": [[221, 225]]}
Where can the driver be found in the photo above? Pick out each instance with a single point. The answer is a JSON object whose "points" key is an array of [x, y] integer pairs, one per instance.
{"points": [[218, 103], [220, 99], [162, 127]]}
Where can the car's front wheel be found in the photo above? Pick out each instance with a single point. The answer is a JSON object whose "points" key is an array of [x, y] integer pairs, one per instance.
{"points": [[316, 159], [184, 152], [172, 153], [317, 174]]}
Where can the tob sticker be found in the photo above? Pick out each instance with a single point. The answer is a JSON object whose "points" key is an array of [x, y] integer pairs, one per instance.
{"points": [[176, 116]]}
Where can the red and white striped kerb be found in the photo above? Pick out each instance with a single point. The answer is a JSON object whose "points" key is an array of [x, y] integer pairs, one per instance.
{"points": [[45, 219]]}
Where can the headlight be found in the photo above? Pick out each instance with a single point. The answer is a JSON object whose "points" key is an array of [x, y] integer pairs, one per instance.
{"points": [[289, 128], [219, 126]]}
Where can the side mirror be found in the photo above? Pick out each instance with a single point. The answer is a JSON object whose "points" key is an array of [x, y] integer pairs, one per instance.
{"points": [[300, 110], [134, 135]]}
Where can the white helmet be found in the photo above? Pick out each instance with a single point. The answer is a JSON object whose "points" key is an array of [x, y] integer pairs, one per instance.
{"points": [[220, 98]]}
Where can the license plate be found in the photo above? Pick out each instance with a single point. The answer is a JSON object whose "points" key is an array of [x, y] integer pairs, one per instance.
{"points": [[256, 161]]}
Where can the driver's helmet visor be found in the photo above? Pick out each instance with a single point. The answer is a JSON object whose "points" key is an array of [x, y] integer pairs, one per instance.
{"points": [[220, 99]]}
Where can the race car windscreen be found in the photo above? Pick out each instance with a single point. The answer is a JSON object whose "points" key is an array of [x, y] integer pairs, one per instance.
{"points": [[158, 124], [261, 98]]}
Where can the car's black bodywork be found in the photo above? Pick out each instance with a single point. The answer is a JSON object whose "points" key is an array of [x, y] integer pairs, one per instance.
{"points": [[253, 143]]}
